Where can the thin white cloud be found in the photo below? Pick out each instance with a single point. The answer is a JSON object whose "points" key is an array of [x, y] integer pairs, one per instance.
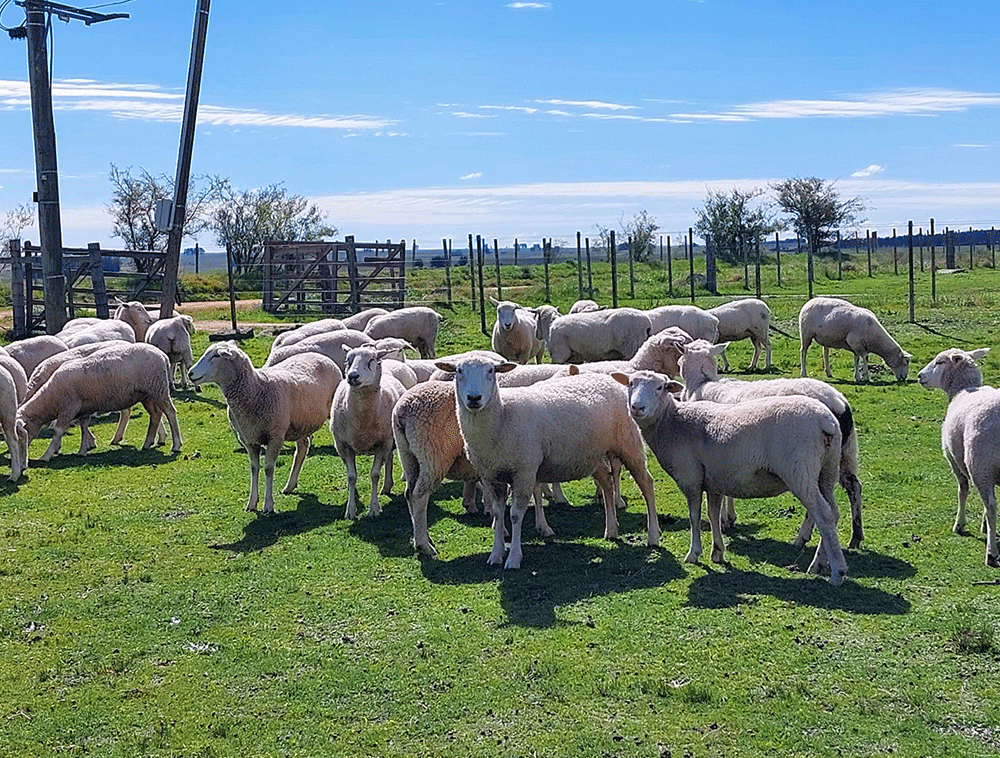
{"points": [[516, 108], [911, 102], [466, 114], [473, 175], [592, 104], [871, 170], [529, 6], [147, 102]]}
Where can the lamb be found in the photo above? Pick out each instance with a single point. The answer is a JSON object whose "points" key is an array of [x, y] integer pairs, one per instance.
{"points": [[270, 406], [699, 323], [969, 434], [33, 350], [418, 325], [519, 333], [613, 334], [322, 326], [756, 449], [748, 318], [8, 421], [331, 345], [360, 319], [701, 382], [553, 431], [836, 323], [361, 422], [173, 337], [112, 379]]}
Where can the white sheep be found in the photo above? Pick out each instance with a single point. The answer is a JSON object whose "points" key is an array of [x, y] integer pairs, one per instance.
{"points": [[747, 318], [17, 375], [836, 323], [582, 306], [173, 337], [8, 421], [322, 326], [361, 422], [756, 449], [332, 345], [697, 322], [553, 431], [360, 319], [701, 382], [969, 434], [612, 334], [132, 313], [104, 330], [660, 352], [418, 325], [271, 406], [33, 350], [112, 379], [519, 333]]}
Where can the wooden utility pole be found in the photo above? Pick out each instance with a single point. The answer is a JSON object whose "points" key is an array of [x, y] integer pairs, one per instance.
{"points": [[176, 232]]}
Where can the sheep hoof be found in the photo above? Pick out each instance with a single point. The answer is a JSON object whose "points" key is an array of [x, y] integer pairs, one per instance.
{"points": [[512, 565], [547, 532], [494, 560], [718, 556], [252, 507], [837, 578], [992, 561], [427, 548], [854, 544], [692, 557], [799, 541], [285, 491]]}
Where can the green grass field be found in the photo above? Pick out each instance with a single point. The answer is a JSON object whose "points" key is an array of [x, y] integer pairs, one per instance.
{"points": [[143, 612]]}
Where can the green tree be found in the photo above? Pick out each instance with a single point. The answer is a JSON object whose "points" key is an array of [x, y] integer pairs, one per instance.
{"points": [[243, 220], [735, 221], [816, 209], [641, 228]]}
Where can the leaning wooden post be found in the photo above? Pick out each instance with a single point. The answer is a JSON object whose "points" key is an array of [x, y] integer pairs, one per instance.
{"points": [[496, 258], [579, 267], [614, 269], [691, 259], [920, 244], [972, 262], [910, 234], [97, 280], [17, 289]]}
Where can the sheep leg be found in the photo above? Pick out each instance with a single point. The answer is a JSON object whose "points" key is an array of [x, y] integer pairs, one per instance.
{"points": [[418, 493], [518, 509], [270, 460], [725, 361], [175, 431], [756, 352], [823, 510], [988, 494], [155, 416], [767, 350], [727, 516], [616, 482], [469, 498], [714, 511], [123, 418], [378, 462], [694, 519], [387, 466], [350, 463], [826, 362], [963, 493], [802, 354], [253, 453], [59, 429], [602, 476], [301, 450], [498, 506], [541, 525], [87, 441], [637, 468], [14, 450], [852, 486]]}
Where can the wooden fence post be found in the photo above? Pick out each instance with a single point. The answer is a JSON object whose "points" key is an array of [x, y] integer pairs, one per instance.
{"points": [[496, 259], [691, 260], [920, 243], [756, 270], [482, 294], [17, 289], [631, 270], [777, 255], [933, 265], [840, 258], [579, 267], [472, 273], [401, 281], [670, 269], [972, 262], [895, 262], [97, 280], [614, 269], [910, 235], [446, 254], [590, 273], [546, 254]]}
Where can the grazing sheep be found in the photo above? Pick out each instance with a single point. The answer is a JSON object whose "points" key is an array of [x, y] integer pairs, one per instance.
{"points": [[520, 333], [322, 326], [582, 306], [701, 382], [660, 352], [8, 421], [836, 323], [33, 350], [104, 330], [271, 406], [418, 325], [112, 379], [361, 422], [17, 375], [756, 449], [697, 322], [553, 431], [969, 434], [613, 334], [748, 318], [332, 344], [173, 337], [360, 319]]}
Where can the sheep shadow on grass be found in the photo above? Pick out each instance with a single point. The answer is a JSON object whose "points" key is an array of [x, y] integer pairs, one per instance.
{"points": [[119, 456], [267, 529]]}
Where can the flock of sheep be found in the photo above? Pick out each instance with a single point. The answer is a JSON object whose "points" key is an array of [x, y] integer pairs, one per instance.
{"points": [[492, 418]]}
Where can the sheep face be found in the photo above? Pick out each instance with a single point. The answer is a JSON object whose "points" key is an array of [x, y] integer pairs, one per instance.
{"points": [[936, 373], [209, 365], [394, 348], [647, 393], [362, 366], [902, 369], [698, 359], [506, 314], [476, 380]]}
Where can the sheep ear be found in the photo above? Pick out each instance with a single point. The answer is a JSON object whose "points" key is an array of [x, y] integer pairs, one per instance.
{"points": [[503, 368], [574, 370], [718, 349], [494, 300], [979, 353], [673, 386], [621, 378], [445, 366]]}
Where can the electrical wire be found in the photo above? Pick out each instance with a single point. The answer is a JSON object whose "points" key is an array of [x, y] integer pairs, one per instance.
{"points": [[11, 30], [106, 5]]}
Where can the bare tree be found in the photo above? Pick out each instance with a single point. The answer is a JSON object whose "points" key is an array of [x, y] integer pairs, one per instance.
{"points": [[736, 221], [133, 207], [16, 220], [243, 220], [816, 209]]}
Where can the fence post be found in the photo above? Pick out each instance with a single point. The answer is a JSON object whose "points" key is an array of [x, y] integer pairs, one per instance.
{"points": [[711, 269], [401, 282], [97, 280], [496, 258], [949, 249], [670, 269], [482, 297], [757, 270], [840, 259], [352, 273], [17, 289], [614, 269], [933, 265], [590, 275], [515, 251], [631, 271], [993, 245], [777, 256], [972, 262], [910, 235], [661, 248], [546, 254], [920, 243], [895, 263], [446, 252], [746, 265], [691, 259], [579, 267], [472, 273], [809, 265], [872, 247]]}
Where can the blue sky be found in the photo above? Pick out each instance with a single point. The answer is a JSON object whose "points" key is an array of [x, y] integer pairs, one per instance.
{"points": [[423, 119]]}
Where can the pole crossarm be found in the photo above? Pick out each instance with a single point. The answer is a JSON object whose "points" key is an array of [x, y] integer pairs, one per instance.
{"points": [[66, 12]]}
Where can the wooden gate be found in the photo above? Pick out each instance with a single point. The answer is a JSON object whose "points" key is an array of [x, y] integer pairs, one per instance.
{"points": [[333, 277]]}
